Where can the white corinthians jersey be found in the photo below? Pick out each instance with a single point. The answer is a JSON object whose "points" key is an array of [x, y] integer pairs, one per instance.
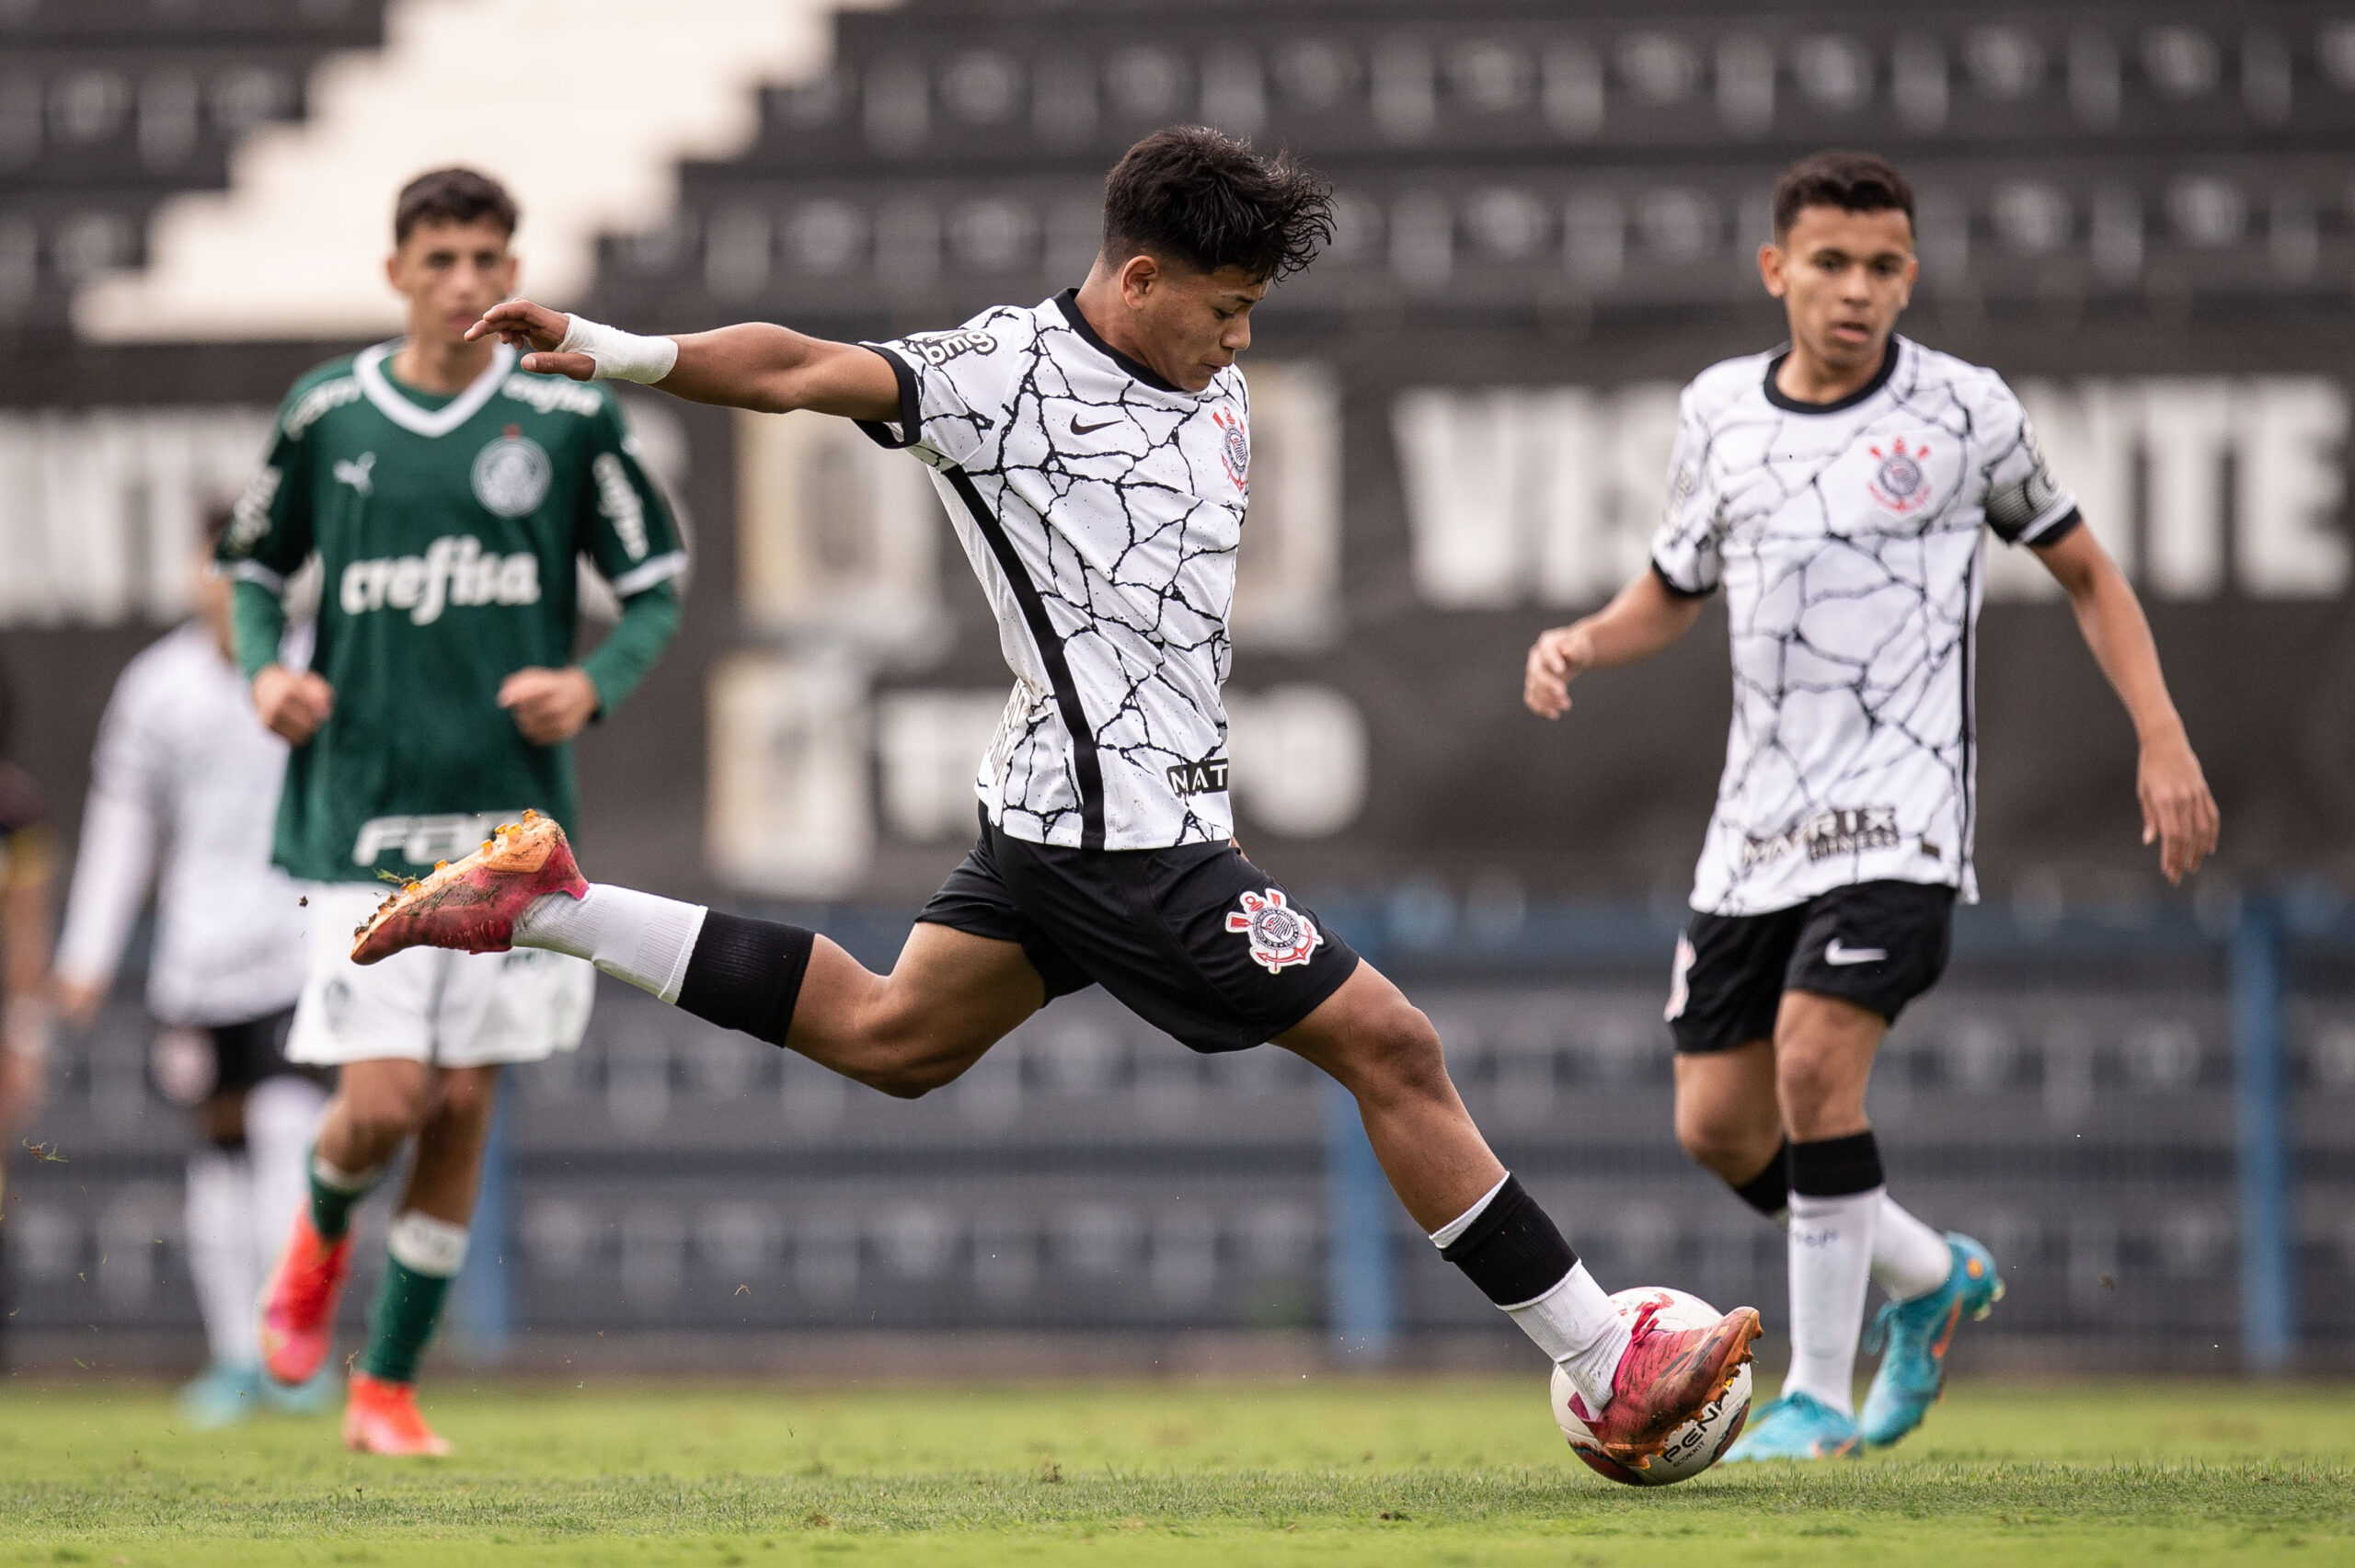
{"points": [[185, 774], [1102, 508], [1847, 538]]}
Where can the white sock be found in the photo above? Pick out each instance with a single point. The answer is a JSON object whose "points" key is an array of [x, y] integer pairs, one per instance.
{"points": [[1909, 1258], [631, 935], [1830, 1252], [1574, 1324], [222, 1257], [423, 1244]]}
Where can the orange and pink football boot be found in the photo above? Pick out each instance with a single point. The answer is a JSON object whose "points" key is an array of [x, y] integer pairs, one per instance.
{"points": [[472, 904]]}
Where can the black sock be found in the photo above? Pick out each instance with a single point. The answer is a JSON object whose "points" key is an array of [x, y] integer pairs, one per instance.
{"points": [[1769, 1192], [1512, 1251], [1836, 1167], [746, 974]]}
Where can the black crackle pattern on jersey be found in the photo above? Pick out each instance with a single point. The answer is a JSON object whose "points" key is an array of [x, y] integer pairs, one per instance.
{"points": [[1847, 539], [1102, 510]]}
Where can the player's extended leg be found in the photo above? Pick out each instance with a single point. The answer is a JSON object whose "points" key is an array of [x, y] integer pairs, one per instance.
{"points": [[950, 996], [1639, 1387]]}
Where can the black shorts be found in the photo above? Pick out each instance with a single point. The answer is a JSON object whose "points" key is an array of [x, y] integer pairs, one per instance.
{"points": [[192, 1063], [1195, 940], [1879, 944]]}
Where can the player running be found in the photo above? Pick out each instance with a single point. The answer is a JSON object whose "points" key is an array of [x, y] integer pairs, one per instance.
{"points": [[1094, 452], [1837, 489], [184, 775], [447, 495]]}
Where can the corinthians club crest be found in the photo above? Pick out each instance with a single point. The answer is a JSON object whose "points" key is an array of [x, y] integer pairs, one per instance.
{"points": [[1900, 482], [1279, 935], [512, 475]]}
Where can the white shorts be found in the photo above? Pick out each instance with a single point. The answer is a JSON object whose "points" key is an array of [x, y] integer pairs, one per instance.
{"points": [[430, 1005]]}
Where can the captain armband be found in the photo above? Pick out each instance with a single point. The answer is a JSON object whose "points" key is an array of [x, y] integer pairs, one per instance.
{"points": [[619, 356]]}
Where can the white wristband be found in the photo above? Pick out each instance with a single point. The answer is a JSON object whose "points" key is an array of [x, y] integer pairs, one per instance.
{"points": [[620, 356]]}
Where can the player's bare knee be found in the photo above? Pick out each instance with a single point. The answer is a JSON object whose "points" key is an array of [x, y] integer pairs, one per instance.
{"points": [[1398, 1055], [465, 1097]]}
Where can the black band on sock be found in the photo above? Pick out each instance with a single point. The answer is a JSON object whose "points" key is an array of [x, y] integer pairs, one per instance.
{"points": [[746, 974], [1836, 1167], [1512, 1251], [1769, 1192]]}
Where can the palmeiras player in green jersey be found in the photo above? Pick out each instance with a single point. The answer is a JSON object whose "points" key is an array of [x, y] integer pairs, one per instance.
{"points": [[447, 496]]}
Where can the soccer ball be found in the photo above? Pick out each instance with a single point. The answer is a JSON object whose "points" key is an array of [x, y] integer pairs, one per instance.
{"points": [[1692, 1448]]}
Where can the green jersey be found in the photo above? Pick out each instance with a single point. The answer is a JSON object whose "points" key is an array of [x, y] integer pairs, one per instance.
{"points": [[447, 529]]}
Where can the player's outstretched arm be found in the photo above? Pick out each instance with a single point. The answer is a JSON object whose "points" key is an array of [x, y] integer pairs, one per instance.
{"points": [[1644, 618], [755, 365], [2178, 812]]}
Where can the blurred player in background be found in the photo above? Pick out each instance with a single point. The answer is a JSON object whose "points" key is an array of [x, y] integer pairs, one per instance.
{"points": [[28, 868], [1837, 489], [1094, 452], [448, 497], [183, 790]]}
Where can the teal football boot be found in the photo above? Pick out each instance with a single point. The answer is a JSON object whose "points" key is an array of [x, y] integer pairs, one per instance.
{"points": [[1796, 1426], [321, 1395], [1916, 1334], [220, 1396]]}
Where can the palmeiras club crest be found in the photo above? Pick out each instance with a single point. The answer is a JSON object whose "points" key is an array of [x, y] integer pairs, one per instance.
{"points": [[1279, 935], [1900, 482]]}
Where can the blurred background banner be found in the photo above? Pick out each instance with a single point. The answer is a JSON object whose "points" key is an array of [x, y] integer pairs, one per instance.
{"points": [[2144, 215]]}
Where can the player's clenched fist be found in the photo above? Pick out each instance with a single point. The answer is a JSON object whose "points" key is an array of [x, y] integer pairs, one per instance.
{"points": [[293, 703], [550, 706], [1554, 661]]}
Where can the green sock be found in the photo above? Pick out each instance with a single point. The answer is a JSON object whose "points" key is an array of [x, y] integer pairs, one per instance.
{"points": [[334, 1194], [408, 1304]]}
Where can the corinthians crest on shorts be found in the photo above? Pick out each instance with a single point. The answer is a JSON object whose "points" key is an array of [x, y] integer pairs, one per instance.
{"points": [[1279, 935]]}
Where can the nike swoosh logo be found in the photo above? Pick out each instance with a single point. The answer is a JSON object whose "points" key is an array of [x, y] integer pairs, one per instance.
{"points": [[1079, 430], [1835, 954]]}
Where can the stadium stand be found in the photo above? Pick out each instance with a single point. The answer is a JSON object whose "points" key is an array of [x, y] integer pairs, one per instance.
{"points": [[454, 84], [110, 107], [1511, 155]]}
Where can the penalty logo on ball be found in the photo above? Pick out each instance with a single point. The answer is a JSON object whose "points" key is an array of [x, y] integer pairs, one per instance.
{"points": [[1279, 935]]}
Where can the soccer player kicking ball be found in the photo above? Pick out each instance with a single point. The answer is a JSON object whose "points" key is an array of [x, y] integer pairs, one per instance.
{"points": [[1092, 451], [1838, 489], [447, 495]]}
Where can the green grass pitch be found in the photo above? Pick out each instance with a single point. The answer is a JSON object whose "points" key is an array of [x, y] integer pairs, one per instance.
{"points": [[1400, 1472]]}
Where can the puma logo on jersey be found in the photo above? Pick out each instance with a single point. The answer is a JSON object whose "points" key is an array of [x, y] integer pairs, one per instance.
{"points": [[455, 569], [354, 473], [1835, 954]]}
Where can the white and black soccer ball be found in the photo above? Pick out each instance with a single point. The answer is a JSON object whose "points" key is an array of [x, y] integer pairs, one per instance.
{"points": [[1692, 1448]]}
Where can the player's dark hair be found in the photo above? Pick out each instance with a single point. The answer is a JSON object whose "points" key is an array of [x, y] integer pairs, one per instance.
{"points": [[1853, 182], [216, 523], [1189, 195], [451, 196]]}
